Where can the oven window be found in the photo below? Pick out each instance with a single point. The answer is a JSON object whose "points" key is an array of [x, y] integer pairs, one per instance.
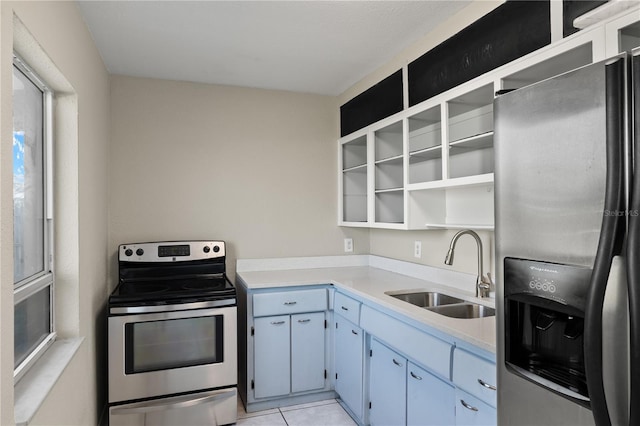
{"points": [[176, 343]]}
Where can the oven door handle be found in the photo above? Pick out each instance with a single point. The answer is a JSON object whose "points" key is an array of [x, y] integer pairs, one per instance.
{"points": [[174, 402]]}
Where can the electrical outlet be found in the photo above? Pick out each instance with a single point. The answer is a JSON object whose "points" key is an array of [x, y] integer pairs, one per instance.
{"points": [[348, 245], [417, 249]]}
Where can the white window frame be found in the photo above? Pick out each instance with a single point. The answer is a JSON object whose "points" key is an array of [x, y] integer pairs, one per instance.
{"points": [[46, 278]]}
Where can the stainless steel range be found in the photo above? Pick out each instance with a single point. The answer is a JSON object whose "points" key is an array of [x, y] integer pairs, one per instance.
{"points": [[172, 336]]}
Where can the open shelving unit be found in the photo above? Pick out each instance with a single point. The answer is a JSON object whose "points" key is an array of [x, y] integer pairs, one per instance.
{"points": [[470, 133], [354, 180], [431, 166], [425, 145], [389, 173]]}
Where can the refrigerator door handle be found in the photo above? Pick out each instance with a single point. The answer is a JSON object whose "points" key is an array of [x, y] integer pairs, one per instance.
{"points": [[611, 235], [633, 250]]}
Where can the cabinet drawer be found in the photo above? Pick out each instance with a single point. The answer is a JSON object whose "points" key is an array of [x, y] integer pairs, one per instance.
{"points": [[347, 307], [475, 375], [289, 302], [433, 353]]}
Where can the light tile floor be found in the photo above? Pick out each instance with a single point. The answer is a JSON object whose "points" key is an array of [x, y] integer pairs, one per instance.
{"points": [[321, 413]]}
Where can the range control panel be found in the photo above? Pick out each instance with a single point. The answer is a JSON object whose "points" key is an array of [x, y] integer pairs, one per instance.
{"points": [[171, 251]]}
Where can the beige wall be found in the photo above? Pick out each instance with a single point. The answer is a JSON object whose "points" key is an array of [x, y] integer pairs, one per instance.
{"points": [[256, 168], [60, 35]]}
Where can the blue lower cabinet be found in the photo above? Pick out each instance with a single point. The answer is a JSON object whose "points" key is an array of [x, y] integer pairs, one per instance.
{"points": [[272, 364], [430, 400], [349, 354], [387, 386], [307, 352], [402, 393], [471, 411], [290, 354]]}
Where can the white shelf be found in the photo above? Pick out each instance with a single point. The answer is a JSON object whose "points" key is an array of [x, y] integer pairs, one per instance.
{"points": [[360, 168], [430, 153], [396, 159], [459, 226], [452, 183], [480, 141], [382, 191]]}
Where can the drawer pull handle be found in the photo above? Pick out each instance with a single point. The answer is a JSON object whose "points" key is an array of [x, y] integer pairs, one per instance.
{"points": [[415, 376], [344, 309], [290, 303], [399, 364], [467, 406], [487, 385], [354, 332], [277, 322], [304, 320]]}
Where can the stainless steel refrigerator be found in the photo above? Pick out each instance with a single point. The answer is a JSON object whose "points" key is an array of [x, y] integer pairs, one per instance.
{"points": [[568, 248]]}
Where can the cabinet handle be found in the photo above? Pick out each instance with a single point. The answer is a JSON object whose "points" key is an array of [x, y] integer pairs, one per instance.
{"points": [[487, 385], [415, 376], [344, 309], [399, 364], [304, 320], [290, 303], [277, 322], [354, 332], [467, 406]]}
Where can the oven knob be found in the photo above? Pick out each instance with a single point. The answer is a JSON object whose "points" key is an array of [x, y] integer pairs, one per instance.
{"points": [[139, 252], [128, 252], [206, 249], [216, 249]]}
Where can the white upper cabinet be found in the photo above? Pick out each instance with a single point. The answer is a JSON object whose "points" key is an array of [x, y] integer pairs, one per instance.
{"points": [[354, 181], [425, 145], [389, 174], [431, 165]]}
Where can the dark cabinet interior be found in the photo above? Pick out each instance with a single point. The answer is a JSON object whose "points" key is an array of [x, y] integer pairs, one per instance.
{"points": [[380, 101], [510, 31]]}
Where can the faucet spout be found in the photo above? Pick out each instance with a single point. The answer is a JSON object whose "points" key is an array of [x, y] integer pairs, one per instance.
{"points": [[483, 285]]}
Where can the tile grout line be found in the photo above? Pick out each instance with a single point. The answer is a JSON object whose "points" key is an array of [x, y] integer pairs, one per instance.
{"points": [[283, 417]]}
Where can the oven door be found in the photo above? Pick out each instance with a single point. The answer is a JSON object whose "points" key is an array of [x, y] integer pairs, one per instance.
{"points": [[171, 352], [210, 408]]}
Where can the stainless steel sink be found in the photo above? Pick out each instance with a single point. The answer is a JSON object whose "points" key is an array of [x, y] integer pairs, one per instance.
{"points": [[464, 310], [425, 299]]}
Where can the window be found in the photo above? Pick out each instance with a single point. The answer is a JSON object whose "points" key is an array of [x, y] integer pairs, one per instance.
{"points": [[32, 217]]}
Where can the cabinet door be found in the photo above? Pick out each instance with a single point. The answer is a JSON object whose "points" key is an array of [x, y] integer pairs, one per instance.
{"points": [[430, 401], [349, 347], [387, 387], [272, 361], [472, 411], [307, 352]]}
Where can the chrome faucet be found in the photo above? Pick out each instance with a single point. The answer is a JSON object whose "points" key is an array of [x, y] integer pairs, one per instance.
{"points": [[483, 284]]}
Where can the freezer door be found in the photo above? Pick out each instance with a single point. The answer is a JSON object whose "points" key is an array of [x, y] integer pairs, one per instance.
{"points": [[551, 168], [633, 247], [551, 172]]}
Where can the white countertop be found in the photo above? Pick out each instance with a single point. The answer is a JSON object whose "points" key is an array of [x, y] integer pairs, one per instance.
{"points": [[370, 283]]}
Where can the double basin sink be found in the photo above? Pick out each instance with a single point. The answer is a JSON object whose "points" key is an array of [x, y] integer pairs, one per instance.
{"points": [[444, 304]]}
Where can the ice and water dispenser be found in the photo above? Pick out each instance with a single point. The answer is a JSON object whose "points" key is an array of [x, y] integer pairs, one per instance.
{"points": [[544, 324]]}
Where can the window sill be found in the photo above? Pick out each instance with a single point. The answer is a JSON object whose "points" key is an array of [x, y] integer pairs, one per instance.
{"points": [[31, 391]]}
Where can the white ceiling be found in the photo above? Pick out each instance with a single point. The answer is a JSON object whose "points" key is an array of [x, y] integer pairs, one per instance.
{"points": [[319, 47]]}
